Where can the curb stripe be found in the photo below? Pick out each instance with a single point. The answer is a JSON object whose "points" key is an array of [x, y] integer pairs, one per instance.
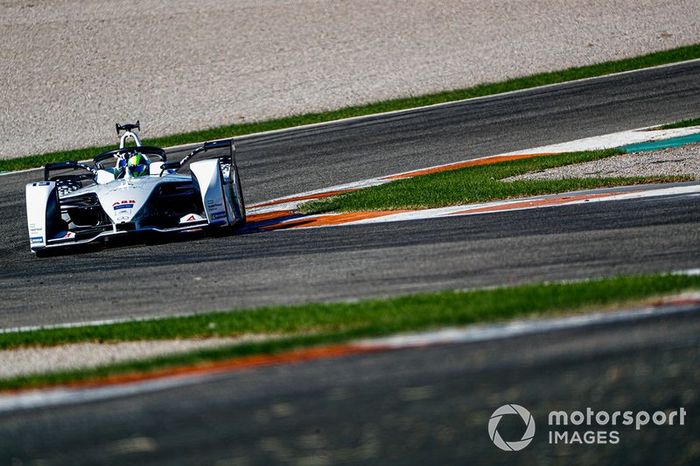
{"points": [[213, 367], [662, 144], [538, 203], [333, 219], [274, 215]]}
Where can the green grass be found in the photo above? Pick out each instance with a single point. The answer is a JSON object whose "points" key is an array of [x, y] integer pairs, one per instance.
{"points": [[682, 124], [313, 324], [645, 61], [474, 184]]}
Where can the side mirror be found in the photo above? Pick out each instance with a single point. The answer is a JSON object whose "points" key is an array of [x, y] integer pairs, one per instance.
{"points": [[170, 165], [217, 144]]}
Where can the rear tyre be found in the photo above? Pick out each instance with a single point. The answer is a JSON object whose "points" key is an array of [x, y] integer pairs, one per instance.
{"points": [[236, 195]]}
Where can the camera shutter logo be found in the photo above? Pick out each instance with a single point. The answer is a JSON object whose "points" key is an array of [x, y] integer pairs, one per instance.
{"points": [[524, 415]]}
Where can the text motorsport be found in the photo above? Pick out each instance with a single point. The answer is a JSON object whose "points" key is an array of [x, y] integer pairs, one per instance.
{"points": [[600, 423], [586, 427]]}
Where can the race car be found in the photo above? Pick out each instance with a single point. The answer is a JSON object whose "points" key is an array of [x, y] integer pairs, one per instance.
{"points": [[132, 190]]}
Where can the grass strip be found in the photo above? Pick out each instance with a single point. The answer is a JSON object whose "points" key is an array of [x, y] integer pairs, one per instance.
{"points": [[475, 184], [313, 324], [682, 124], [645, 61]]}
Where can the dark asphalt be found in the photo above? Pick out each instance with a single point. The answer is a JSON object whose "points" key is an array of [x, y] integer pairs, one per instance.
{"points": [[407, 407], [331, 264]]}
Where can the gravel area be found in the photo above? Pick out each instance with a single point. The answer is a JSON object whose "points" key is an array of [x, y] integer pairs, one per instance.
{"points": [[86, 355], [683, 160], [70, 69]]}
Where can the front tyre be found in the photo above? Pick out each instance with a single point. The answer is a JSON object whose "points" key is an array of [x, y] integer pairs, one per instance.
{"points": [[237, 196]]}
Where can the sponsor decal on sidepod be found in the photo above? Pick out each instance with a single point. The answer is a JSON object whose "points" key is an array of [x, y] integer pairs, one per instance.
{"points": [[124, 205]]}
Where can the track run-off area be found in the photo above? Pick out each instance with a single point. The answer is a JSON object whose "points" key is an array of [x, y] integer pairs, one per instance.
{"points": [[372, 260]]}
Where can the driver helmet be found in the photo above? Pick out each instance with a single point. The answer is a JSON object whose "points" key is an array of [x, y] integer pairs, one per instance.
{"points": [[138, 165]]}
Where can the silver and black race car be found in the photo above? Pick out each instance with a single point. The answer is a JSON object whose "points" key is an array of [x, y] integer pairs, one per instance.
{"points": [[134, 189]]}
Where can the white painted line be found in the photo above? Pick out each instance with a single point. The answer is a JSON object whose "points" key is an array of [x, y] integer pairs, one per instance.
{"points": [[17, 172], [480, 333], [280, 204], [658, 192], [27, 170], [689, 272], [63, 396], [613, 140], [33, 328]]}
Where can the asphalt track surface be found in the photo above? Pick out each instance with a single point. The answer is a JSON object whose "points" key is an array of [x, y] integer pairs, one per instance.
{"points": [[413, 406], [378, 260]]}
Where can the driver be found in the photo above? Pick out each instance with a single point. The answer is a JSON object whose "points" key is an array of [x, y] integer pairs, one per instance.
{"points": [[138, 165]]}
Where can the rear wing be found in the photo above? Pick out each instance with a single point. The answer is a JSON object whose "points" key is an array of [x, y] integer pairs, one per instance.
{"points": [[224, 146]]}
